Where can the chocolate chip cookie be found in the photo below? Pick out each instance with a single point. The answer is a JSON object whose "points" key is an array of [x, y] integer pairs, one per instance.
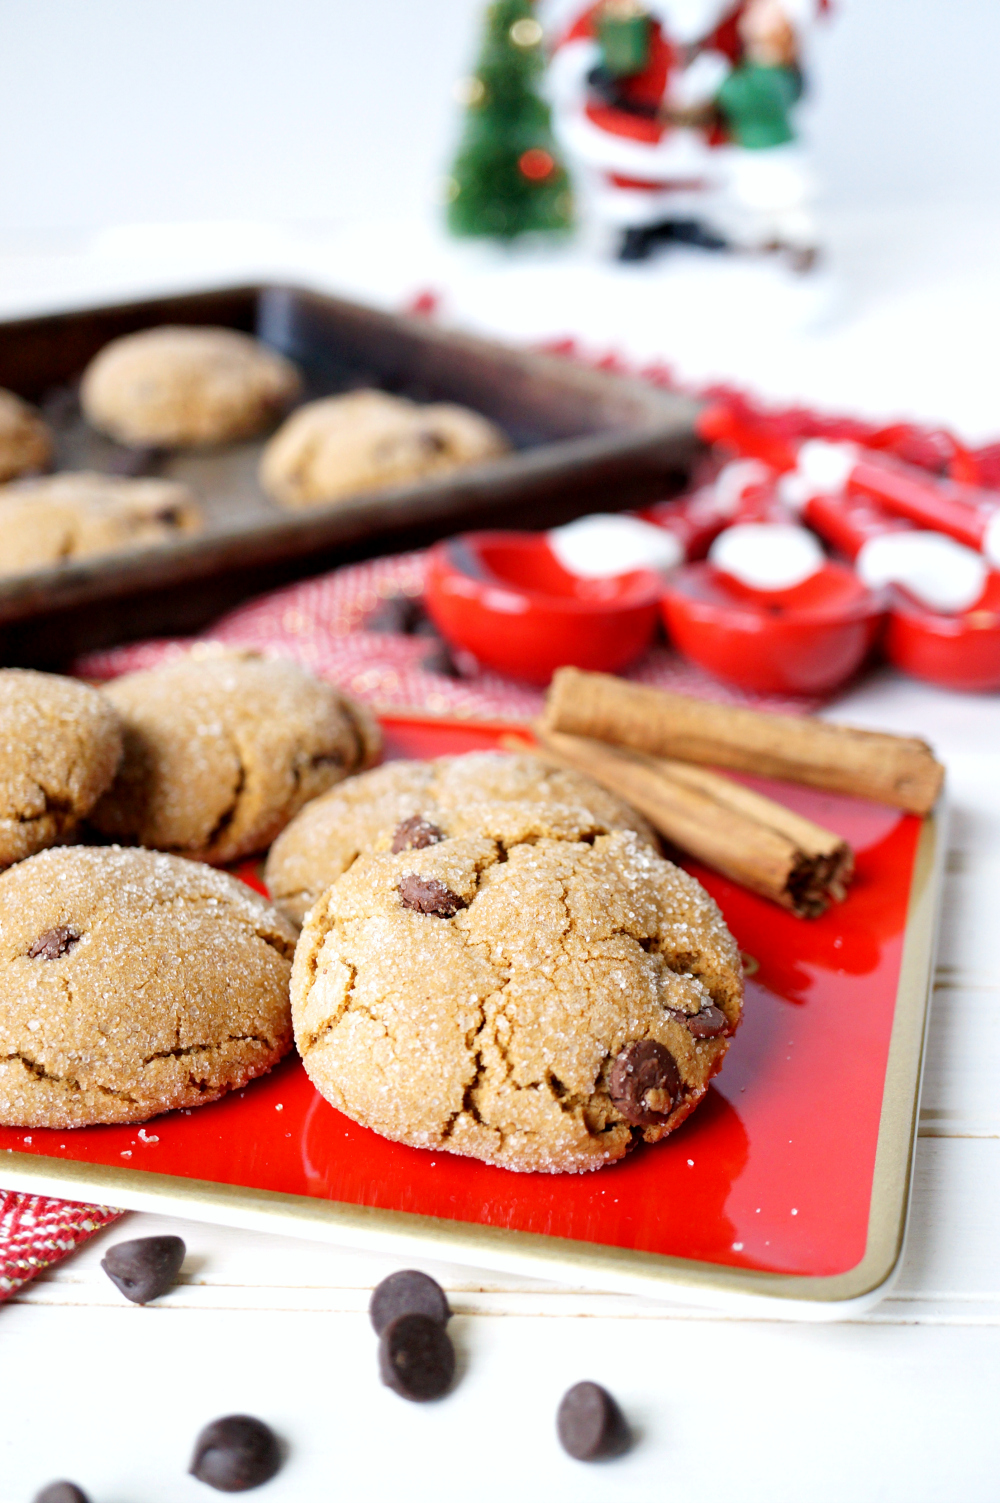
{"points": [[541, 1004], [60, 745], [25, 441], [431, 800], [223, 748], [342, 446], [176, 386], [80, 514], [132, 983]]}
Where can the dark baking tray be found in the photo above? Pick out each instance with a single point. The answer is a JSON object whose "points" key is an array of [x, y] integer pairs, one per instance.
{"points": [[584, 440]]}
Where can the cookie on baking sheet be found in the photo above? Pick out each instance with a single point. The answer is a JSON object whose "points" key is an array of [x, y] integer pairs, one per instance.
{"points": [[223, 748], [449, 796], [132, 983], [342, 446], [81, 514], [25, 441], [541, 1004], [60, 744], [176, 386]]}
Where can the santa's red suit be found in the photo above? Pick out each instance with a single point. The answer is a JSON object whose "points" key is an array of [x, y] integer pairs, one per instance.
{"points": [[639, 168]]}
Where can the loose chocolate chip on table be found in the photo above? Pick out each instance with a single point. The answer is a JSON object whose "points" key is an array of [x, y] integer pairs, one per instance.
{"points": [[440, 660], [428, 895], [709, 1023], [53, 943], [415, 834], [589, 1423], [235, 1454], [416, 1358], [61, 1492], [396, 613], [408, 1292], [145, 1267], [644, 1083]]}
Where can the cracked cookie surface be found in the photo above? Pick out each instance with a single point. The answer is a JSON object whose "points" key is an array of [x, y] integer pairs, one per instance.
{"points": [[342, 446], [60, 743], [541, 1004], [132, 983], [178, 386], [456, 795], [223, 748]]}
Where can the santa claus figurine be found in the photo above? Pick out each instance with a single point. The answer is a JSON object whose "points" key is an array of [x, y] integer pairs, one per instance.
{"points": [[678, 114]]}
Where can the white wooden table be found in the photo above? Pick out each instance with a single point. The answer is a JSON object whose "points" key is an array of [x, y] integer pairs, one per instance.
{"points": [[897, 1406]]}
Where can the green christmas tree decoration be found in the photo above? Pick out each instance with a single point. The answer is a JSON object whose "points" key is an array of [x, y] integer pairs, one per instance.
{"points": [[507, 178]]}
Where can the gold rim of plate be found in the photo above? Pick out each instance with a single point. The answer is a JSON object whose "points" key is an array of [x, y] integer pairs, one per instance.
{"points": [[591, 1264]]}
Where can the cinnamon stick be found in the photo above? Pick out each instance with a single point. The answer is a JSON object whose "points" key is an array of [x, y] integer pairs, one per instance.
{"points": [[896, 770], [758, 843]]}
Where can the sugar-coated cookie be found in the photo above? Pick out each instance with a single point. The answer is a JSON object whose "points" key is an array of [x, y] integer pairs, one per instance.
{"points": [[25, 441], [81, 514], [132, 983], [60, 745], [541, 1004], [446, 797], [342, 446], [175, 386], [222, 749]]}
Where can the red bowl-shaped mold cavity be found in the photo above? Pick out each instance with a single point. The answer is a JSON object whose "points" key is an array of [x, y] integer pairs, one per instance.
{"points": [[958, 652], [804, 640], [504, 597]]}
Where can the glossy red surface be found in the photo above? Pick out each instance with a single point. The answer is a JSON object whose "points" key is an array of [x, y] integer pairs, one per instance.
{"points": [[774, 1170], [805, 640], [504, 597], [957, 652]]}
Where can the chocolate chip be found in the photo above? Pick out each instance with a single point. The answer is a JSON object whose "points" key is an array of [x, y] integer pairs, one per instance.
{"points": [[416, 1358], [144, 1268], [408, 1293], [235, 1454], [61, 1492], [589, 1423], [399, 614], [440, 660], [709, 1023], [428, 895], [644, 1083], [53, 943], [415, 834]]}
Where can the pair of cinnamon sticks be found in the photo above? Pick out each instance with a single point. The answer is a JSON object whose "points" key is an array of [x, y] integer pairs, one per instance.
{"points": [[646, 745]]}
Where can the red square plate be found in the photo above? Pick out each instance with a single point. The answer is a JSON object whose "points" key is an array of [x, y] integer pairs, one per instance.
{"points": [[789, 1184]]}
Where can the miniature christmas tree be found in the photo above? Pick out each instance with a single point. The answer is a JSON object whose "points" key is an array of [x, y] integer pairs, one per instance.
{"points": [[507, 179]]}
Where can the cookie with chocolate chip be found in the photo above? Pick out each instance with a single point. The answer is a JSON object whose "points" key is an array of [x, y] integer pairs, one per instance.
{"points": [[132, 983], [223, 748], [60, 744], [342, 446], [177, 386], [414, 804], [25, 441], [542, 1003], [81, 514]]}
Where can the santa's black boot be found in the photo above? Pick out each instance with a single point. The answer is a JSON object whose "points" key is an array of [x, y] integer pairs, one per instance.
{"points": [[636, 245]]}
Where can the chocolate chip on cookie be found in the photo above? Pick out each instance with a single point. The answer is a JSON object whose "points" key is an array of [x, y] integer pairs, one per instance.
{"points": [[235, 1454], [708, 1023], [644, 1083], [61, 1492], [144, 1268], [428, 895], [408, 1292], [53, 942], [416, 1358], [415, 834], [590, 1424]]}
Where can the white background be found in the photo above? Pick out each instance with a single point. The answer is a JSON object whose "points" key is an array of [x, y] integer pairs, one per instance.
{"points": [[114, 111]]}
